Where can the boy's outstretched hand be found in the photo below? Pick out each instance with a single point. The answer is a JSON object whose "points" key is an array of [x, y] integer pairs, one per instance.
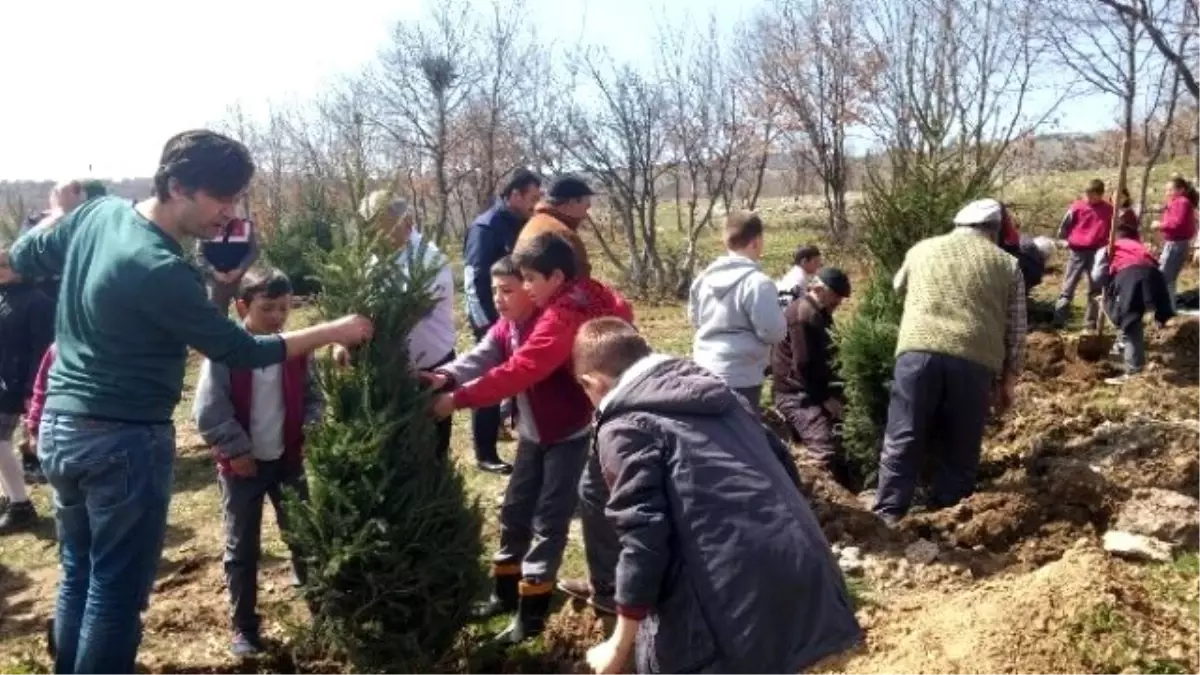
{"points": [[433, 379], [443, 406]]}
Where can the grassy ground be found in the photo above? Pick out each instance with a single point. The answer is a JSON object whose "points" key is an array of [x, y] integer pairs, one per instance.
{"points": [[186, 625]]}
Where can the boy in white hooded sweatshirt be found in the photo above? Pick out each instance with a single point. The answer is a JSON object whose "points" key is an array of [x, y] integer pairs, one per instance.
{"points": [[734, 308]]}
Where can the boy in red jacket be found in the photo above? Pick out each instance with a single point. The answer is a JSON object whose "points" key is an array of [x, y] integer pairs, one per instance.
{"points": [[1085, 227], [1135, 286], [254, 421], [534, 363]]}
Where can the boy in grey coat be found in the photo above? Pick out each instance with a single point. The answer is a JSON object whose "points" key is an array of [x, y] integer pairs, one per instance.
{"points": [[723, 566], [735, 310], [254, 421]]}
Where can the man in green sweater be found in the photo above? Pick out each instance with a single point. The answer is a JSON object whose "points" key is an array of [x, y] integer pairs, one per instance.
{"points": [[961, 344], [129, 308]]}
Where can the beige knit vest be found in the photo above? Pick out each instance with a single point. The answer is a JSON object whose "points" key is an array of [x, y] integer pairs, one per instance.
{"points": [[957, 299]]}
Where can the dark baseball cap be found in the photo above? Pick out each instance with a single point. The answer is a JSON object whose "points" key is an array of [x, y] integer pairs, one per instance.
{"points": [[835, 280], [569, 186]]}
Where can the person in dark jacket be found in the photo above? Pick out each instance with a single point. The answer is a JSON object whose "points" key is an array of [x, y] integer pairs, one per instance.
{"points": [[490, 238], [26, 330], [1134, 285], [806, 390], [723, 567]]}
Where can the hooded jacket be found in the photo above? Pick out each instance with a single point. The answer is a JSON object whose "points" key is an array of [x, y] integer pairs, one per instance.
{"points": [[721, 557], [735, 310], [545, 357]]}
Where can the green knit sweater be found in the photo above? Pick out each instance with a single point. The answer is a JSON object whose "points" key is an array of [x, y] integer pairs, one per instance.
{"points": [[956, 301]]}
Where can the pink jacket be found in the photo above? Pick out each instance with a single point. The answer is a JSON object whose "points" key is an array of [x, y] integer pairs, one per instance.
{"points": [[33, 416]]}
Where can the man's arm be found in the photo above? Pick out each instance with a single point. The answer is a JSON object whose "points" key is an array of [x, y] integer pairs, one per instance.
{"points": [[179, 304], [765, 314], [1015, 328], [214, 414], [477, 276], [547, 349], [639, 511]]}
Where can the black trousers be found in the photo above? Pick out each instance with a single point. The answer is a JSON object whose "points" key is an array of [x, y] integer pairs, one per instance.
{"points": [[485, 423], [444, 427], [939, 403], [818, 432]]}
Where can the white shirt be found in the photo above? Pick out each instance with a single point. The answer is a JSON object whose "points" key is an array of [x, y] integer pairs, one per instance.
{"points": [[433, 338], [266, 413], [794, 277]]}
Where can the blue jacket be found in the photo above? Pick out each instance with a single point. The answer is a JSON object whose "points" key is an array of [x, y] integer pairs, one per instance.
{"points": [[721, 556], [490, 238]]}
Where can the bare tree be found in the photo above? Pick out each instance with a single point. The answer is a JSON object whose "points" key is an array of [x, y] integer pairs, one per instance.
{"points": [[423, 83], [620, 140], [1168, 24], [814, 55], [706, 131], [1160, 112], [958, 82]]}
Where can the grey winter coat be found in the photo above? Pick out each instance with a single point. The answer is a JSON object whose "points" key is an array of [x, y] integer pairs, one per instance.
{"points": [[735, 310], [720, 552]]}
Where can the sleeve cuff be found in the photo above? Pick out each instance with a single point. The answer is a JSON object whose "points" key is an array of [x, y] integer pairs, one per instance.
{"points": [[637, 613], [460, 398]]}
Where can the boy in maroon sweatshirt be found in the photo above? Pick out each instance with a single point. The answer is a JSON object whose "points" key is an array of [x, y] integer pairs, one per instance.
{"points": [[254, 421], [1085, 228], [531, 360]]}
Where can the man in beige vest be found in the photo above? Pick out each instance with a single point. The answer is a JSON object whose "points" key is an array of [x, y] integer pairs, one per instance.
{"points": [[961, 344]]}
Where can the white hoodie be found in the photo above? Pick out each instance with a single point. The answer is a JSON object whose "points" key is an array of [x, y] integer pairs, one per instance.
{"points": [[735, 310]]}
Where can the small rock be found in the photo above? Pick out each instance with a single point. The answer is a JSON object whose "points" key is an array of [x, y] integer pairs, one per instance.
{"points": [[851, 566], [1161, 514], [852, 552], [921, 552], [1136, 546], [1177, 653]]}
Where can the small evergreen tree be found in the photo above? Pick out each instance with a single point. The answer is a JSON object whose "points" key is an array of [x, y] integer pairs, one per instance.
{"points": [[916, 201], [390, 536]]}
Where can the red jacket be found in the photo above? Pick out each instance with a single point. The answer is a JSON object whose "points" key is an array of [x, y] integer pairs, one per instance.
{"points": [[295, 379], [1179, 219], [37, 402], [541, 364], [1090, 224], [1129, 252]]}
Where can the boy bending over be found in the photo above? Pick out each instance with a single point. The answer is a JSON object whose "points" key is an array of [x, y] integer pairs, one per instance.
{"points": [[528, 355], [723, 567], [254, 420]]}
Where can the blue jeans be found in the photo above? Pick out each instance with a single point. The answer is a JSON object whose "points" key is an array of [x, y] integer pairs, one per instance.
{"points": [[112, 488]]}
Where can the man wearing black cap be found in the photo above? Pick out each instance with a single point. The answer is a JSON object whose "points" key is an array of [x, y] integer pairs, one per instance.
{"points": [[564, 210], [806, 390], [490, 238]]}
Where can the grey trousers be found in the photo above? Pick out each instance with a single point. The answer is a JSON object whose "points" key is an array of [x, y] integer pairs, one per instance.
{"points": [[1171, 261], [242, 500], [600, 543], [938, 403], [1079, 267], [818, 432], [538, 504]]}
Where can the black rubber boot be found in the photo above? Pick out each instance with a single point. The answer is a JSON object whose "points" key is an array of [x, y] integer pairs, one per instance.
{"points": [[530, 619], [19, 516], [503, 599]]}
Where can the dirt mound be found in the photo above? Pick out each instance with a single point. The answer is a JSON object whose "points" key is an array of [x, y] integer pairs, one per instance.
{"points": [[1045, 354], [1078, 614], [1051, 358], [1179, 345]]}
